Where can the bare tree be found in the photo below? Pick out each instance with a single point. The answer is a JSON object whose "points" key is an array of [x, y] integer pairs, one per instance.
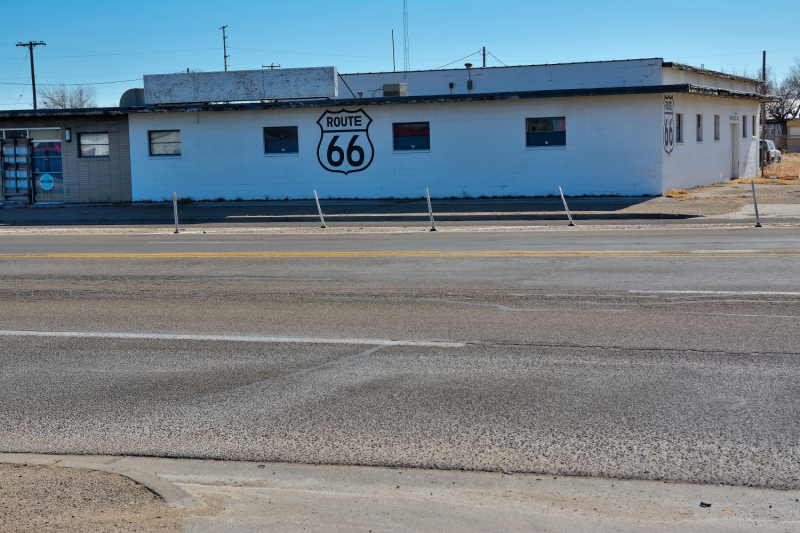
{"points": [[62, 97]]}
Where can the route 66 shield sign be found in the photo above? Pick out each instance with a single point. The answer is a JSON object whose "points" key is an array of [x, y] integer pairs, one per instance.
{"points": [[669, 124], [344, 143]]}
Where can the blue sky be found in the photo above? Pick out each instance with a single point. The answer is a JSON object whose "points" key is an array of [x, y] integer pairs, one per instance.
{"points": [[95, 42]]}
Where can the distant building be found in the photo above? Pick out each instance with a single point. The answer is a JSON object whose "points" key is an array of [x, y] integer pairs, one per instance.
{"points": [[628, 127]]}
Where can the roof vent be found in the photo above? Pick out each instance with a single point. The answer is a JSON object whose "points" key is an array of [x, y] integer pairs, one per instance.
{"points": [[395, 89], [132, 98]]}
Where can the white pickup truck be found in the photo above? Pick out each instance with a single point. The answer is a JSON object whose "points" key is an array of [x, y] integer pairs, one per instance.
{"points": [[769, 153]]}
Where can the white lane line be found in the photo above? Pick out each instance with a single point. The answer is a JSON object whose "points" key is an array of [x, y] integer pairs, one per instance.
{"points": [[741, 293], [365, 353], [235, 338]]}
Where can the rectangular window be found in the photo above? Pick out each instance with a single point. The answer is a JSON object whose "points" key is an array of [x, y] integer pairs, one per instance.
{"points": [[92, 145], [550, 131], [281, 140], [412, 136], [699, 128], [165, 142], [678, 128], [716, 127], [754, 126], [744, 126]]}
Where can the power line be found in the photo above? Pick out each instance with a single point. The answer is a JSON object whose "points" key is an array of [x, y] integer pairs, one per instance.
{"points": [[457, 60], [494, 56], [91, 83], [15, 79]]}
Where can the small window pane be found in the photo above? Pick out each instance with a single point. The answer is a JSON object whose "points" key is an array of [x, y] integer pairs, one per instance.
{"points": [[716, 127], [45, 135], [165, 136], [165, 142], [16, 134], [551, 131], [92, 145], [281, 140], [165, 149], [412, 136]]}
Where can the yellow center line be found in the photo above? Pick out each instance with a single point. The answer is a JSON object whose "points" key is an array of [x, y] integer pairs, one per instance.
{"points": [[421, 253]]}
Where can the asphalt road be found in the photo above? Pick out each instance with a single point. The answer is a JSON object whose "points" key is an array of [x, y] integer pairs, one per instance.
{"points": [[646, 354]]}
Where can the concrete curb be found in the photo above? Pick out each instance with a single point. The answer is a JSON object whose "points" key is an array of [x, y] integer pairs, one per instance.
{"points": [[174, 496], [268, 219]]}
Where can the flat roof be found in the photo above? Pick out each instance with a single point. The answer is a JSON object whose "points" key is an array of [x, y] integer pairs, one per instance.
{"points": [[391, 100]]}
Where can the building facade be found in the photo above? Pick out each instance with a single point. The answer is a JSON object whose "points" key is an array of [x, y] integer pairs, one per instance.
{"points": [[61, 157], [638, 127]]}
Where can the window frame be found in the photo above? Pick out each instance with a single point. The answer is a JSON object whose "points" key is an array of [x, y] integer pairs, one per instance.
{"points": [[717, 128], [546, 146], [80, 145], [699, 128], [413, 149], [150, 144], [296, 139], [678, 128]]}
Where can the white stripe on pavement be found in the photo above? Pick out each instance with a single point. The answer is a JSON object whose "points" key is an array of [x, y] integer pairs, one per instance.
{"points": [[737, 293], [235, 338]]}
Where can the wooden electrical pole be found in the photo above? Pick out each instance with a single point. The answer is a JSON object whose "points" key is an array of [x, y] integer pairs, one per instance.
{"points": [[30, 46], [225, 55], [484, 57]]}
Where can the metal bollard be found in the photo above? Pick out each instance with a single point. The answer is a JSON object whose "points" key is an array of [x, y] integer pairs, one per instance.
{"points": [[571, 223], [755, 205], [319, 209], [175, 210], [430, 210]]}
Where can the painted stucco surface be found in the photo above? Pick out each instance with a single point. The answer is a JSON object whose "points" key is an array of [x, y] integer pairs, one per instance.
{"points": [[477, 148], [238, 85]]}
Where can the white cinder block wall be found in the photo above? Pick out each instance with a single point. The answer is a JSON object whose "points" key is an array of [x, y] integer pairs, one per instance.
{"points": [[694, 163], [614, 146]]}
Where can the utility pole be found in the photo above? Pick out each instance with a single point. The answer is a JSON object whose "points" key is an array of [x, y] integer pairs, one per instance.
{"points": [[30, 46], [484, 57], [225, 55], [394, 68]]}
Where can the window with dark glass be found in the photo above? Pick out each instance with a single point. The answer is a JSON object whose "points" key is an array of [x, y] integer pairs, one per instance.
{"points": [[412, 136], [678, 128], [92, 145], [550, 131], [165, 142], [281, 140]]}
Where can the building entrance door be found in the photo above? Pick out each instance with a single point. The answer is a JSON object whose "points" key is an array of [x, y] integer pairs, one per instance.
{"points": [[16, 167], [734, 151], [47, 172], [32, 171]]}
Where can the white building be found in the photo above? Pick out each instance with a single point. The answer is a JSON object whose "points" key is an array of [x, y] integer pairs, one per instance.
{"points": [[634, 127]]}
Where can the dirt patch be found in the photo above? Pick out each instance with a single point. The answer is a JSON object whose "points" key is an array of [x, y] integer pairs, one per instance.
{"points": [[47, 498], [789, 167]]}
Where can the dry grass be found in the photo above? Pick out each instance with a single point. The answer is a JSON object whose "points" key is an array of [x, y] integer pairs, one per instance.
{"points": [[767, 181], [788, 168], [675, 193]]}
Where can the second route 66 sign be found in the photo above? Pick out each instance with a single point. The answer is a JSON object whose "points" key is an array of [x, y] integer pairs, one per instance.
{"points": [[669, 124], [344, 144]]}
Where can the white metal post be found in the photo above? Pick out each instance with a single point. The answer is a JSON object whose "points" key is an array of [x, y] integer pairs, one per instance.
{"points": [[571, 223], [175, 210], [755, 205], [430, 210], [322, 219]]}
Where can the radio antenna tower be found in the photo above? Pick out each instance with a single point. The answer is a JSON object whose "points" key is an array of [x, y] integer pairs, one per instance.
{"points": [[406, 65]]}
